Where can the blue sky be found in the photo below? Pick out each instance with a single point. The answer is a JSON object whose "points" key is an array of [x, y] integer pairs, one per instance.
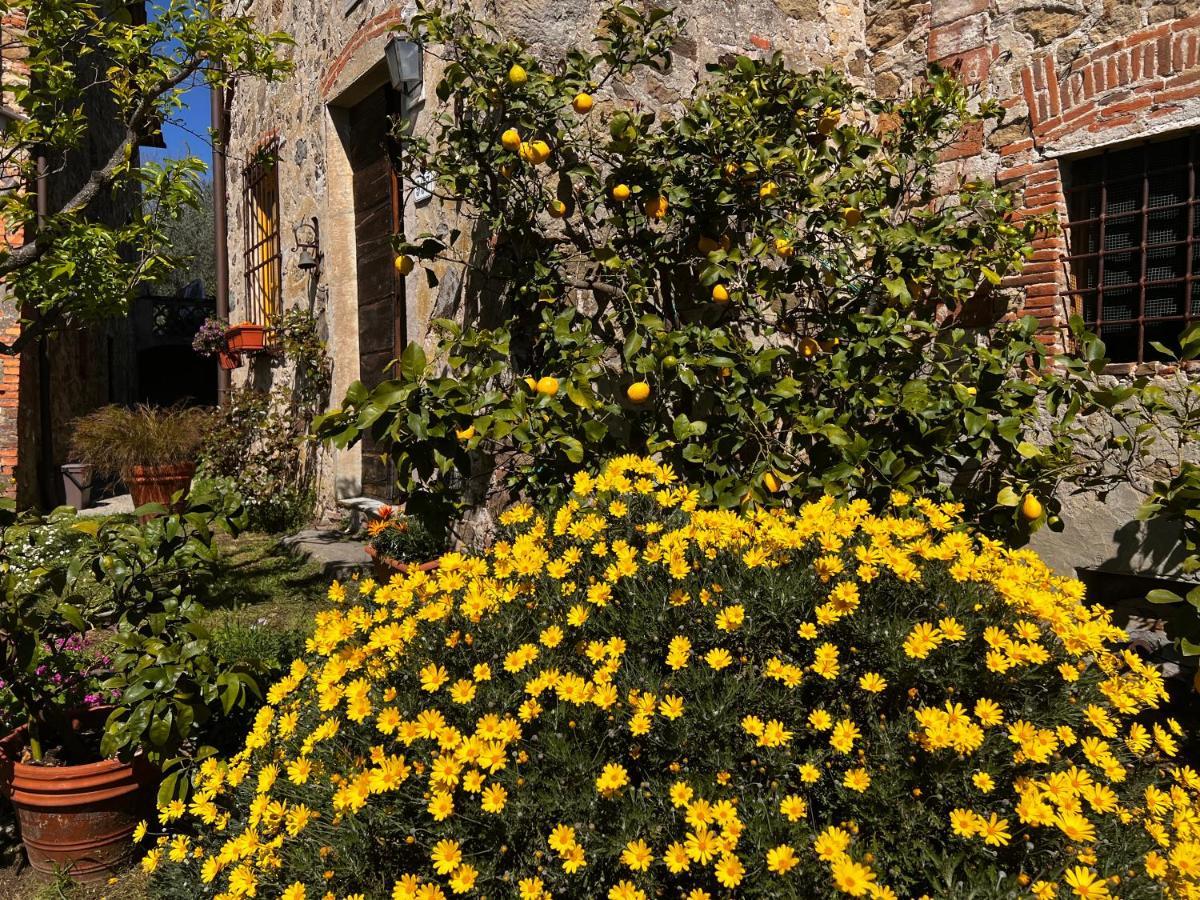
{"points": [[187, 133]]}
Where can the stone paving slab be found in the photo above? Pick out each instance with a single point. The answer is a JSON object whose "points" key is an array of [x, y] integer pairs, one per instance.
{"points": [[334, 551], [111, 506]]}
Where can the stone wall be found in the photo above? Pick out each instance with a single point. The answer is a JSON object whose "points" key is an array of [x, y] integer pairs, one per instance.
{"points": [[1072, 76]]}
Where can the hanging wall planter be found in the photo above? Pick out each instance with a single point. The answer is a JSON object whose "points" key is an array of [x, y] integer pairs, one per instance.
{"points": [[247, 338], [229, 360]]}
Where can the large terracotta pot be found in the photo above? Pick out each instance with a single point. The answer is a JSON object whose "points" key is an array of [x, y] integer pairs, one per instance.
{"points": [[385, 567], [158, 484], [77, 819]]}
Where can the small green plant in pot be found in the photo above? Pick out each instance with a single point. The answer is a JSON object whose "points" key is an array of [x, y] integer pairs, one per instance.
{"points": [[399, 542], [90, 735], [153, 450]]}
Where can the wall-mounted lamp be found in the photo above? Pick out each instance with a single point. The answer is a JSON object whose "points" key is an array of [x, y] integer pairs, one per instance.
{"points": [[308, 245], [404, 60]]}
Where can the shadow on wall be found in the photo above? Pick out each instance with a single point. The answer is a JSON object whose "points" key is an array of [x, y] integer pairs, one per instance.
{"points": [[1103, 534]]}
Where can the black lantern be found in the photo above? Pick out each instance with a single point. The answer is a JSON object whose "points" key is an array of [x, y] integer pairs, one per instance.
{"points": [[404, 60]]}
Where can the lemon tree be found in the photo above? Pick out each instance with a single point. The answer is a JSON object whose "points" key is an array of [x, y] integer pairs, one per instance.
{"points": [[766, 285]]}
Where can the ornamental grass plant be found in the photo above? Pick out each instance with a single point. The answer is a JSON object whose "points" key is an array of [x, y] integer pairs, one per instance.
{"points": [[636, 697], [114, 440]]}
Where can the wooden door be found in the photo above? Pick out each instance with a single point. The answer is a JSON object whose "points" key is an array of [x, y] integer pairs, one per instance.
{"points": [[382, 326]]}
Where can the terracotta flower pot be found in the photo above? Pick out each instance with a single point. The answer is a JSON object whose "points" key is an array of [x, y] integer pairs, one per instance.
{"points": [[246, 338], [384, 567], [77, 819], [228, 360], [158, 484]]}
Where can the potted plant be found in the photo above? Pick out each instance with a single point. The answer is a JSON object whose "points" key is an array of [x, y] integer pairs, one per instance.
{"points": [[153, 450], [212, 339], [247, 337], [106, 677], [397, 543]]}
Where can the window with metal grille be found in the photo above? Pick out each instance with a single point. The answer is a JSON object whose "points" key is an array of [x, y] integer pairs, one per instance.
{"points": [[1134, 243], [263, 254]]}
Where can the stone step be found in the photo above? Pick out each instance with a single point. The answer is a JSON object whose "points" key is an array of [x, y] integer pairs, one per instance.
{"points": [[338, 555]]}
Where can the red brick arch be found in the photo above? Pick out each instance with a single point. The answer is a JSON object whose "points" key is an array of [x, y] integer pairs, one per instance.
{"points": [[367, 32], [1145, 75]]}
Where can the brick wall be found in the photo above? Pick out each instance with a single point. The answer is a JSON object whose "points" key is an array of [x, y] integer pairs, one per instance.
{"points": [[13, 71], [1068, 87]]}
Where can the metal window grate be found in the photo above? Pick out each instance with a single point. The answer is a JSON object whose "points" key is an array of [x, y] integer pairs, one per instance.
{"points": [[1134, 241], [263, 254]]}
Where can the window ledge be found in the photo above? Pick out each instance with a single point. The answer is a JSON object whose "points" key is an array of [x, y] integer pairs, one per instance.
{"points": [[1191, 367]]}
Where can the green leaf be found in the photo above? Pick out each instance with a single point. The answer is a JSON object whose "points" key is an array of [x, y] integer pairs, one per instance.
{"points": [[412, 362], [1008, 497], [1161, 595]]}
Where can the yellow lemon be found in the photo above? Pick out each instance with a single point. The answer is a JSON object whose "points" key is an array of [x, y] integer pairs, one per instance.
{"points": [[511, 139], [506, 171], [771, 482], [620, 193], [465, 434], [726, 371], [517, 75], [582, 103], [656, 207], [720, 293], [768, 190], [404, 264], [829, 121], [809, 347], [531, 382], [784, 247], [851, 215], [558, 209], [539, 152], [706, 244], [731, 169], [547, 385], [638, 392], [1031, 507]]}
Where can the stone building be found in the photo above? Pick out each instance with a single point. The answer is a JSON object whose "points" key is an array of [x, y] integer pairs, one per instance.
{"points": [[1103, 125], [54, 380]]}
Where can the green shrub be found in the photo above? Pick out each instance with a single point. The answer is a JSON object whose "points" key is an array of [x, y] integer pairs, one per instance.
{"points": [[260, 446], [136, 586], [633, 698], [266, 649], [256, 449]]}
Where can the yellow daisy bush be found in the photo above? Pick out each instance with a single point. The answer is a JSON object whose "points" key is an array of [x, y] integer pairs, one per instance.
{"points": [[634, 697]]}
